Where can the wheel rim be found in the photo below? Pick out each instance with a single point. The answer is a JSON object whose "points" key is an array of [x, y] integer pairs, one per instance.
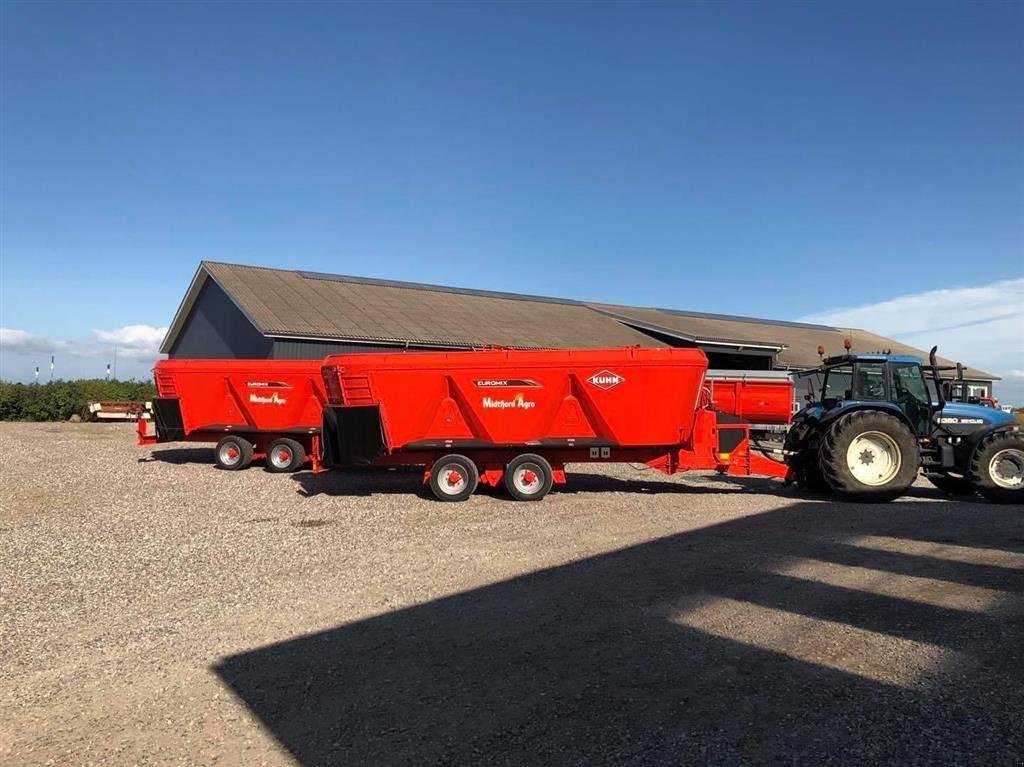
{"points": [[281, 456], [452, 479], [1007, 469], [230, 454], [527, 479], [874, 458]]}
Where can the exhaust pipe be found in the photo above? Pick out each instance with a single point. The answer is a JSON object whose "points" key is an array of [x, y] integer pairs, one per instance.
{"points": [[936, 377]]}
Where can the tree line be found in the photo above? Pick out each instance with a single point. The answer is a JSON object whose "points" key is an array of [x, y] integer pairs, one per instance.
{"points": [[59, 400]]}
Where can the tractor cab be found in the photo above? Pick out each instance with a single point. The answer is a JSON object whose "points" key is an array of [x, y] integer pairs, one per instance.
{"points": [[894, 382], [880, 417]]}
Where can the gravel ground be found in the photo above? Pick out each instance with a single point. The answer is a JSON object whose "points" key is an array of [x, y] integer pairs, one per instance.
{"points": [[155, 610]]}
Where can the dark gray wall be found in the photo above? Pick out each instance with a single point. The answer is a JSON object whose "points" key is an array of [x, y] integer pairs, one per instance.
{"points": [[216, 328], [291, 349]]}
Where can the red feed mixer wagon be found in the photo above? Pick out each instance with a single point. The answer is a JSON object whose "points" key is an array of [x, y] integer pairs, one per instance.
{"points": [[519, 416], [251, 408]]}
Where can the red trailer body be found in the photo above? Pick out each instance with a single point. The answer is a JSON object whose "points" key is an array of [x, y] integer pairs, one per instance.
{"points": [[258, 401], [757, 400], [484, 411]]}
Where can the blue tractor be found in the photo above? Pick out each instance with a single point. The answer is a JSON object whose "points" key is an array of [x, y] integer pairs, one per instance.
{"points": [[876, 422]]}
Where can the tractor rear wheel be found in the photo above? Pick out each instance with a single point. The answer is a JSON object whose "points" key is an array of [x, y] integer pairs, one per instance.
{"points": [[453, 478], [869, 455], [997, 468], [947, 483], [233, 453]]}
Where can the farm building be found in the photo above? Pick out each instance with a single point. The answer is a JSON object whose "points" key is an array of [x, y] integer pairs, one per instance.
{"points": [[248, 312]]}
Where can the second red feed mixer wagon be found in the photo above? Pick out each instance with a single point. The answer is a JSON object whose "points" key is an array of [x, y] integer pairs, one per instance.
{"points": [[519, 416], [252, 409]]}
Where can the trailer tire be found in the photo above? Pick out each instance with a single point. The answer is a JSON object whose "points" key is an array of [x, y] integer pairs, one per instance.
{"points": [[528, 477], [233, 453], [453, 478], [285, 455], [870, 456], [997, 468]]}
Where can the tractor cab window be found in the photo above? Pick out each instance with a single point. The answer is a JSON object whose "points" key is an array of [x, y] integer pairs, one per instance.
{"points": [[911, 394], [907, 381], [869, 381], [838, 381]]}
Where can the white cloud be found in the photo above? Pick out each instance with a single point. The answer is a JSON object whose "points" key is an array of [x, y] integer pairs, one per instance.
{"points": [[137, 347], [138, 341], [16, 341], [981, 326]]}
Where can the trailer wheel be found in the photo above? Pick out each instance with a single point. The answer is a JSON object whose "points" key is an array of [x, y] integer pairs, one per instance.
{"points": [[453, 478], [528, 477], [285, 455], [233, 453], [997, 468], [869, 456]]}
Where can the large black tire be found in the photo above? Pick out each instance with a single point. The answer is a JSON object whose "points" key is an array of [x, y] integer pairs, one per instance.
{"points": [[453, 478], [233, 453], [947, 483], [285, 455], [528, 477], [857, 443], [997, 468], [808, 473]]}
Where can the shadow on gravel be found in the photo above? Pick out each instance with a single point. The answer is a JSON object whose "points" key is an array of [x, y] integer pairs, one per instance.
{"points": [[181, 455], [409, 481], [650, 482], [698, 648], [362, 482]]}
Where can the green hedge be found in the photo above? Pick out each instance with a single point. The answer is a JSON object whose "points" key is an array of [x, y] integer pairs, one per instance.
{"points": [[59, 400]]}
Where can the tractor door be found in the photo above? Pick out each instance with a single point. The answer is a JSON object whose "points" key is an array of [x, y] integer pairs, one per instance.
{"points": [[910, 393]]}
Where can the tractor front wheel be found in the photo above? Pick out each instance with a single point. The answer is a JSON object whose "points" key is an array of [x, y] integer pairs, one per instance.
{"points": [[868, 455], [997, 468]]}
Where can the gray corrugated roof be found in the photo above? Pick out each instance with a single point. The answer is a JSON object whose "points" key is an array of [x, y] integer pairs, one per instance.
{"points": [[801, 340], [310, 305], [296, 304]]}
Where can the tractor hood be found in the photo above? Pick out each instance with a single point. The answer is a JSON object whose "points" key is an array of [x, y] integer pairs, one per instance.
{"points": [[960, 416]]}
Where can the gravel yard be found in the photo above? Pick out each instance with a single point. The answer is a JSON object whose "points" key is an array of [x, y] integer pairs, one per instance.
{"points": [[156, 610]]}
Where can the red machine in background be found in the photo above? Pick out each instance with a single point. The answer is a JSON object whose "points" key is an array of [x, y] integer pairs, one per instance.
{"points": [[520, 416], [250, 408]]}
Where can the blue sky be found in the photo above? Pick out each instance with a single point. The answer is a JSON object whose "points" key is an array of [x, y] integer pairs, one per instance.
{"points": [[778, 160]]}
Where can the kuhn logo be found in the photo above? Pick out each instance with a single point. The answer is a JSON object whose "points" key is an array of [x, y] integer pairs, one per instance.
{"points": [[606, 379], [273, 399], [519, 401]]}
